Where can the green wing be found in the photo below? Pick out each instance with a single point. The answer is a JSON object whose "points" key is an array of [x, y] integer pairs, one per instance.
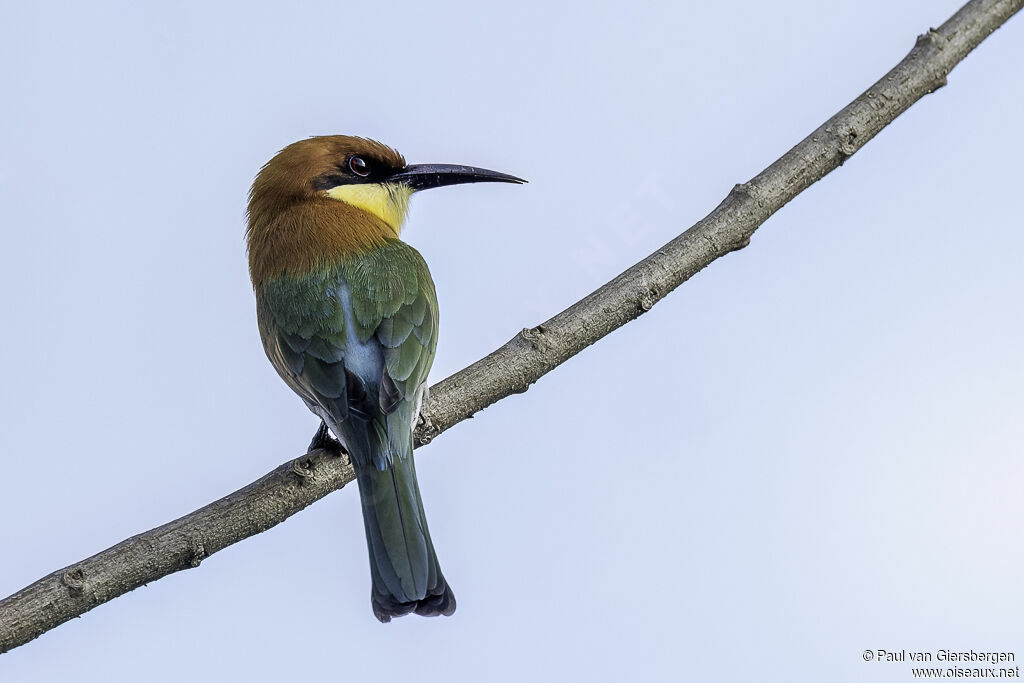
{"points": [[394, 303], [357, 337]]}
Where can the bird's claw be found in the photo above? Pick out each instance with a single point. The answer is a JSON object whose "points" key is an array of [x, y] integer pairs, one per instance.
{"points": [[323, 440]]}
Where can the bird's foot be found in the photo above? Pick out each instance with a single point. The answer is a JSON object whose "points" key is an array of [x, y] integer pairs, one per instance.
{"points": [[323, 440]]}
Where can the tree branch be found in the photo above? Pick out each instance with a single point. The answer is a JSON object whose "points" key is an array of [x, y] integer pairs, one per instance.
{"points": [[185, 542]]}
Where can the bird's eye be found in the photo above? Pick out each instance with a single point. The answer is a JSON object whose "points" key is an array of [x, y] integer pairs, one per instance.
{"points": [[359, 166]]}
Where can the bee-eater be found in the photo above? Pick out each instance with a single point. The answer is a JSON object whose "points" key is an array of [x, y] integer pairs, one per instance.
{"points": [[348, 316]]}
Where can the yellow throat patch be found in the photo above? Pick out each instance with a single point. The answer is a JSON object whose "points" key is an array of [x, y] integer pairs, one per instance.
{"points": [[387, 201]]}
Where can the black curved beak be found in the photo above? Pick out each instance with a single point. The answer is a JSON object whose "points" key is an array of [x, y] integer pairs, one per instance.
{"points": [[426, 176]]}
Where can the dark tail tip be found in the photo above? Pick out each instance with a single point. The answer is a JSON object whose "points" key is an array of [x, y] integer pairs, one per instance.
{"points": [[439, 603]]}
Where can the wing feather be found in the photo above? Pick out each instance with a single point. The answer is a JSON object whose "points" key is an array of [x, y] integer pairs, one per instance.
{"points": [[355, 339]]}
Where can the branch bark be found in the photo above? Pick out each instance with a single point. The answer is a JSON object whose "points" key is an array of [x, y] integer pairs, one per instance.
{"points": [[185, 542]]}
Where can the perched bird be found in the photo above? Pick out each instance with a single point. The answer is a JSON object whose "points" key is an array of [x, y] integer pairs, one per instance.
{"points": [[348, 317]]}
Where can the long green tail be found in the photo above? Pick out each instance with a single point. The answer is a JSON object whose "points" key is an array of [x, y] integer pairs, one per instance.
{"points": [[405, 572]]}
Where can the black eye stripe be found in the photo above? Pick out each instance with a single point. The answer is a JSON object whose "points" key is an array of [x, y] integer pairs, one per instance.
{"points": [[354, 170], [329, 180]]}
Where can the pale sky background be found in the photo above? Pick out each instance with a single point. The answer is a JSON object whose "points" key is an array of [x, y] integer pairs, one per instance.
{"points": [[811, 449]]}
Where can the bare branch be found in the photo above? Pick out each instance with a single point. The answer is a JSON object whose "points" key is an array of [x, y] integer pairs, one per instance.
{"points": [[183, 543]]}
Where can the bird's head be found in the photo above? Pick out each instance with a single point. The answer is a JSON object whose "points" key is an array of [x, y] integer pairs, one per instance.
{"points": [[330, 195]]}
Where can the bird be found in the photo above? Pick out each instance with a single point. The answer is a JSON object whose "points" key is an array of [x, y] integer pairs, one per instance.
{"points": [[348, 316]]}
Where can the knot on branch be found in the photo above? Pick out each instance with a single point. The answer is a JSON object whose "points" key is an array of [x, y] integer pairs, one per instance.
{"points": [[198, 554], [845, 142], [74, 579], [931, 38], [741, 191], [535, 336], [742, 242], [736, 243], [648, 298], [303, 467]]}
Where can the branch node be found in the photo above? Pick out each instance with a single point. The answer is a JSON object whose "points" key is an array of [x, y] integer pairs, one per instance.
{"points": [[740, 243], [535, 337], [931, 37], [74, 579], [939, 84], [850, 141], [937, 40], [648, 299], [745, 192], [845, 142], [741, 189], [198, 554], [302, 467]]}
